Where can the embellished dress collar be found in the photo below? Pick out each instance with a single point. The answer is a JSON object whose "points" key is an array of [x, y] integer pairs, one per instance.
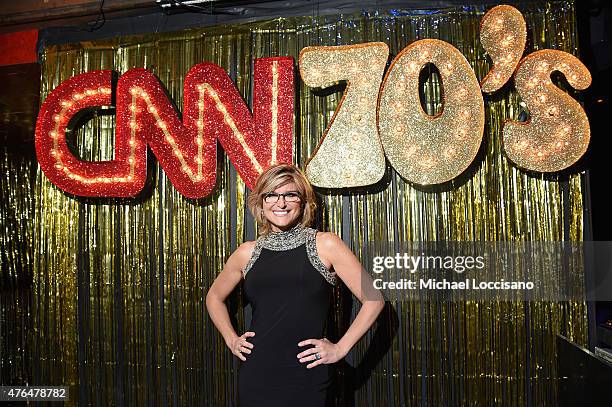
{"points": [[285, 240]]}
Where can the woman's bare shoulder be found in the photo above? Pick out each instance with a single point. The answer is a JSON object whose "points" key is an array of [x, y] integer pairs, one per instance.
{"points": [[328, 240], [245, 249], [240, 257], [329, 245], [250, 244]]}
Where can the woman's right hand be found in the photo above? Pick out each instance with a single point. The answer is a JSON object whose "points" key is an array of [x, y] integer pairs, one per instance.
{"points": [[240, 345]]}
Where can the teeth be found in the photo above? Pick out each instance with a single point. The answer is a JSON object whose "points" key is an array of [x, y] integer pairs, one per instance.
{"points": [[280, 212]]}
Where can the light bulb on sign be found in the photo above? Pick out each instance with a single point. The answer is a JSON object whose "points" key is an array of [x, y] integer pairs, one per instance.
{"points": [[503, 35], [428, 135], [549, 108], [362, 66]]}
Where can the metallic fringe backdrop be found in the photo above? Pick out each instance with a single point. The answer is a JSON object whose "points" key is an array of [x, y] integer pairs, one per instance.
{"points": [[116, 308]]}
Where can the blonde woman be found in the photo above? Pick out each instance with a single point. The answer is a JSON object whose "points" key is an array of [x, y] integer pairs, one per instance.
{"points": [[288, 274]]}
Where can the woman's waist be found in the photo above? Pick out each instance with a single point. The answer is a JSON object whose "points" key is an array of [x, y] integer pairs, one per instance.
{"points": [[282, 371], [284, 335], [282, 347]]}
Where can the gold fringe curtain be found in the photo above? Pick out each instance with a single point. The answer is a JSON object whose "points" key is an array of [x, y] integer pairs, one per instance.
{"points": [[117, 308], [18, 171]]}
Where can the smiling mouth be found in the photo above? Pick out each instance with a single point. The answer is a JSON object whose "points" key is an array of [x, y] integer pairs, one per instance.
{"points": [[280, 213]]}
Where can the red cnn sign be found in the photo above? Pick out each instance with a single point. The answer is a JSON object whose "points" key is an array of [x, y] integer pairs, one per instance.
{"points": [[186, 149]]}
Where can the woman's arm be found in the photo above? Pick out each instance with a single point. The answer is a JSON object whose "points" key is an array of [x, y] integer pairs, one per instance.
{"points": [[334, 253], [220, 289]]}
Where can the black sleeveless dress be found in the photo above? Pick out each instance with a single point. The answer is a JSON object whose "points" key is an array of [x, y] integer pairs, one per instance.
{"points": [[289, 289]]}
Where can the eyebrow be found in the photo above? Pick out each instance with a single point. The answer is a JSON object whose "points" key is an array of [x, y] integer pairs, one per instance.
{"points": [[277, 193]]}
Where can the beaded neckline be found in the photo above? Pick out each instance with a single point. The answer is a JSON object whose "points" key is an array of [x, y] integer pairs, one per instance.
{"points": [[284, 240]]}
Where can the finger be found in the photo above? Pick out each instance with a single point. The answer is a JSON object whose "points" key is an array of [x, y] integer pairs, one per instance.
{"points": [[249, 333], [308, 358], [306, 342], [240, 356], [307, 352], [313, 357], [309, 342], [245, 350], [247, 344], [315, 363]]}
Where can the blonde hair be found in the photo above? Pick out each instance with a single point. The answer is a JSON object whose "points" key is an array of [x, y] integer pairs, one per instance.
{"points": [[275, 177]]}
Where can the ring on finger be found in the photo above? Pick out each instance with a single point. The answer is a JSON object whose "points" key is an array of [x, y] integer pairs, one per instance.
{"points": [[317, 356]]}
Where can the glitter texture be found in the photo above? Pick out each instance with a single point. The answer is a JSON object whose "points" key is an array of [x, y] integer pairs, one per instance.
{"points": [[349, 153], [557, 133], [84, 178], [503, 33], [187, 150], [426, 149]]}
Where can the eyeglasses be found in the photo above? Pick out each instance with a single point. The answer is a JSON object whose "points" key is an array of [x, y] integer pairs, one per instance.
{"points": [[273, 197]]}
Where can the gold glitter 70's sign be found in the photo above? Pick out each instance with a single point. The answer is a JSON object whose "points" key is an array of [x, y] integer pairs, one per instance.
{"points": [[380, 115], [369, 125]]}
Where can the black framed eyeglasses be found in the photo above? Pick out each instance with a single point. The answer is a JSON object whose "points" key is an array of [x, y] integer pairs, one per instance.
{"points": [[273, 197]]}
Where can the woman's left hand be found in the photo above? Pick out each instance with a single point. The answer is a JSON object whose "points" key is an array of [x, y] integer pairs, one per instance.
{"points": [[329, 352]]}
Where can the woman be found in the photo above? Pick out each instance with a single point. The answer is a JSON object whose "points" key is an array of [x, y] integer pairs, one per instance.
{"points": [[288, 280]]}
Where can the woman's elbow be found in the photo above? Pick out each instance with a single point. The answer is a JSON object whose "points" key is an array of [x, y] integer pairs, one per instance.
{"points": [[211, 298], [380, 305]]}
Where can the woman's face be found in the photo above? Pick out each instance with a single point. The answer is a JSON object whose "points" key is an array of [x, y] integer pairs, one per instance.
{"points": [[283, 213]]}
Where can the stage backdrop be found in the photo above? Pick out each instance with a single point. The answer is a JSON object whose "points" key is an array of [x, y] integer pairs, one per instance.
{"points": [[116, 304]]}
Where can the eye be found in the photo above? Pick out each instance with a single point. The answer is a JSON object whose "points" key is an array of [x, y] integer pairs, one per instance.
{"points": [[271, 197], [292, 196]]}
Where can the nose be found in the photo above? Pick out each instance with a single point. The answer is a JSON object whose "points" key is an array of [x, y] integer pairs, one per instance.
{"points": [[279, 203]]}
